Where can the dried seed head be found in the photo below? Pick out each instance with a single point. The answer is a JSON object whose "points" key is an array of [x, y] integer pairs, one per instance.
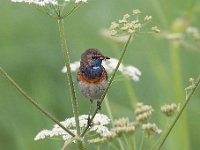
{"points": [[97, 140], [143, 112], [123, 125], [155, 29], [169, 109], [136, 12], [130, 24], [151, 128], [147, 18]]}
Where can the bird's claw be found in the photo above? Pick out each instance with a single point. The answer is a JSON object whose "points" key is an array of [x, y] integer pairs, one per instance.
{"points": [[99, 105], [89, 123]]}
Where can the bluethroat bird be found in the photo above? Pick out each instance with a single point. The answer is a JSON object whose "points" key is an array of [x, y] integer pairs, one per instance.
{"points": [[92, 76]]}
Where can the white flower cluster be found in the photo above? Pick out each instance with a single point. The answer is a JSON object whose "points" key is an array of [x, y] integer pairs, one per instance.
{"points": [[110, 64], [46, 2], [37, 2], [98, 126]]}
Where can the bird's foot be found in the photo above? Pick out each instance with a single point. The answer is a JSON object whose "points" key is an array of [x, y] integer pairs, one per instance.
{"points": [[99, 105], [89, 123]]}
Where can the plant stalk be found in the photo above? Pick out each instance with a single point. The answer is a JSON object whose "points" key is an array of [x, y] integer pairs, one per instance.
{"points": [[69, 74], [112, 120], [69, 77], [188, 98], [23, 93]]}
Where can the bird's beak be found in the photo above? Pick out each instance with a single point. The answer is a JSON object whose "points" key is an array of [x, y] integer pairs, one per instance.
{"points": [[104, 57]]}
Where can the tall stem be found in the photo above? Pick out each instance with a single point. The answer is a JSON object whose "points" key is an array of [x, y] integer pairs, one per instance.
{"points": [[19, 89], [69, 74], [69, 77], [112, 120], [188, 98], [182, 127], [110, 81]]}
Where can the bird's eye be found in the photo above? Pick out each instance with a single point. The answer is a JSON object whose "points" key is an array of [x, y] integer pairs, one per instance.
{"points": [[94, 57]]}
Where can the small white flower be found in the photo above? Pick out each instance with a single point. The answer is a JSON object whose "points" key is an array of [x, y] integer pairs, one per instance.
{"points": [[74, 67], [37, 2], [147, 18], [42, 134], [98, 123], [101, 119], [80, 1], [133, 72], [136, 11], [102, 130]]}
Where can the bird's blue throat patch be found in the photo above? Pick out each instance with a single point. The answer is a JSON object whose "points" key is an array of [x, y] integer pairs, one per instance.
{"points": [[95, 70]]}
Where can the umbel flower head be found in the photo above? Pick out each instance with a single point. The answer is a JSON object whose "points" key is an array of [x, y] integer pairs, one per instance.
{"points": [[169, 109], [58, 9], [98, 125], [48, 2], [151, 128], [120, 126], [123, 125], [143, 112], [110, 64], [131, 24]]}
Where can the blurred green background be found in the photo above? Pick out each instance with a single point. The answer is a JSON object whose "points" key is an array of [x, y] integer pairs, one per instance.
{"points": [[30, 52]]}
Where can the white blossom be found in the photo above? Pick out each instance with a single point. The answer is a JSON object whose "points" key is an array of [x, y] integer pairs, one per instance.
{"points": [[102, 130], [74, 67], [98, 126], [80, 1], [147, 18], [136, 11], [37, 2], [110, 65], [46, 2]]}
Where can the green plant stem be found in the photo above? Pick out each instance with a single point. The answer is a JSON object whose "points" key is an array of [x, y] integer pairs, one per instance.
{"points": [[108, 109], [142, 141], [69, 77], [22, 92], [69, 74], [111, 118], [188, 98], [182, 127], [110, 81]]}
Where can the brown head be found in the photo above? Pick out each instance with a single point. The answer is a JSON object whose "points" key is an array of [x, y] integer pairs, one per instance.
{"points": [[90, 55]]}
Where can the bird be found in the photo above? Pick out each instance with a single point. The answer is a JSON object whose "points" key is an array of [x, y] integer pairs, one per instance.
{"points": [[92, 77]]}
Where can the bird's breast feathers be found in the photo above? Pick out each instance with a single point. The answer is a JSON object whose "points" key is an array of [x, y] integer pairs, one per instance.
{"points": [[93, 88], [97, 80]]}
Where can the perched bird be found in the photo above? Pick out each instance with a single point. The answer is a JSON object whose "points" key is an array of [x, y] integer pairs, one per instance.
{"points": [[92, 76]]}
